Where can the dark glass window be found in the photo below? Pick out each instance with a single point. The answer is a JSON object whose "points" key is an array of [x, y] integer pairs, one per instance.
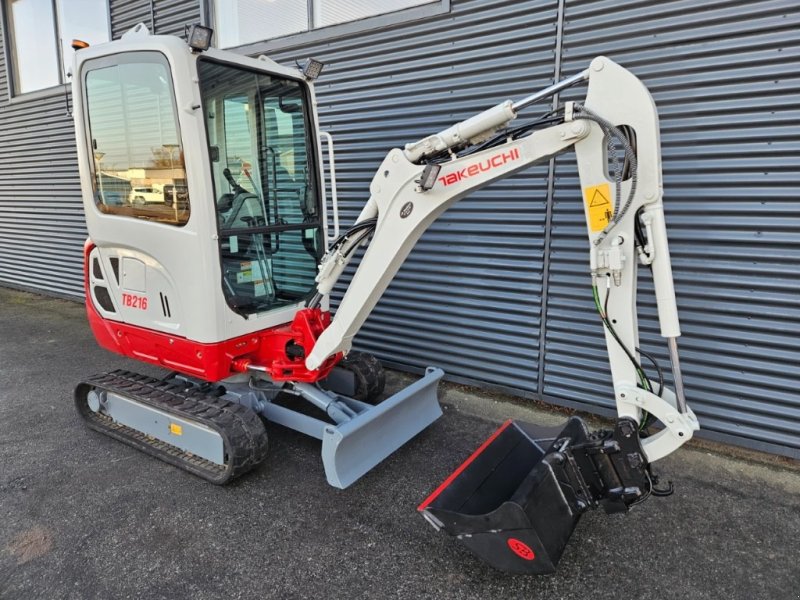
{"points": [[262, 159]]}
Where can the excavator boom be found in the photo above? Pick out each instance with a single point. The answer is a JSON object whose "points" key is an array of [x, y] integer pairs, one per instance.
{"points": [[516, 500]]}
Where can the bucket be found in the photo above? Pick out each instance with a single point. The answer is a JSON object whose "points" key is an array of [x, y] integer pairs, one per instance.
{"points": [[512, 502]]}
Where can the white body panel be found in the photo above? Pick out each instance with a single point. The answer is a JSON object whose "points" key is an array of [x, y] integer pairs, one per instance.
{"points": [[201, 313]]}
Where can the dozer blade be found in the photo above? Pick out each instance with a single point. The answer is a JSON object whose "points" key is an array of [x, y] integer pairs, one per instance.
{"points": [[516, 500], [353, 448]]}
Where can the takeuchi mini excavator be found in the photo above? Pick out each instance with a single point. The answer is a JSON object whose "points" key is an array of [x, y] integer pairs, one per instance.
{"points": [[222, 270]]}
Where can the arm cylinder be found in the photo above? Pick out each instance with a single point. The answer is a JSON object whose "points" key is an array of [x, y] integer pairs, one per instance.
{"points": [[470, 130], [481, 126], [662, 274]]}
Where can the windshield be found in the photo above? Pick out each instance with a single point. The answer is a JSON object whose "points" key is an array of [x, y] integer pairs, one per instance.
{"points": [[262, 161]]}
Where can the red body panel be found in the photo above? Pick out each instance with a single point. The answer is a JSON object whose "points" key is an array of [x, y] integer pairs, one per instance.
{"points": [[216, 361]]}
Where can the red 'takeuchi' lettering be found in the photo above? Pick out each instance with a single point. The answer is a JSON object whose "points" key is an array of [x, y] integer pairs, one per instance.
{"points": [[498, 160]]}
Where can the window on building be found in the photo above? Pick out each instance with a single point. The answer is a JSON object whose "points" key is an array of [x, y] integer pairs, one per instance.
{"points": [[241, 22], [41, 34], [138, 159]]}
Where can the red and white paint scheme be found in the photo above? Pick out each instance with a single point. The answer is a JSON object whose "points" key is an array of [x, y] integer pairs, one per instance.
{"points": [[209, 361], [154, 289]]}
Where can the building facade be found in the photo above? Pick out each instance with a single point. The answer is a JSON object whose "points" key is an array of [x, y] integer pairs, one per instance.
{"points": [[497, 292]]}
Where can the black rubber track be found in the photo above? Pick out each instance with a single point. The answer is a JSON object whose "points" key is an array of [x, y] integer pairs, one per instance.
{"points": [[242, 431]]}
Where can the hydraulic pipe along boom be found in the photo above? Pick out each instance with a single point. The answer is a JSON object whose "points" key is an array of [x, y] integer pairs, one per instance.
{"points": [[551, 90]]}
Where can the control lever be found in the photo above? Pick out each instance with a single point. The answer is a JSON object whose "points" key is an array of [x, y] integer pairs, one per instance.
{"points": [[237, 189]]}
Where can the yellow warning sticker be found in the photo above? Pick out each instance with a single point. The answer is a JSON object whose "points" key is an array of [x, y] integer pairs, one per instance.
{"points": [[598, 206], [175, 429]]}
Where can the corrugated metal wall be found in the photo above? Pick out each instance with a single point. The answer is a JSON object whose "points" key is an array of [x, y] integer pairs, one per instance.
{"points": [[41, 218], [469, 296], [725, 78], [165, 17], [472, 295]]}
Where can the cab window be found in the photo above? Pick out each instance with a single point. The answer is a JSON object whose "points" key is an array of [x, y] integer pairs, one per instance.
{"points": [[262, 155], [136, 152]]}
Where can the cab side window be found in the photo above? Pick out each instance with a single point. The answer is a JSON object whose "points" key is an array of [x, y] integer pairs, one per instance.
{"points": [[136, 148]]}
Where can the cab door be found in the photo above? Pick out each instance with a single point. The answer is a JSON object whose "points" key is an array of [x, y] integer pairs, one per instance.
{"points": [[139, 216]]}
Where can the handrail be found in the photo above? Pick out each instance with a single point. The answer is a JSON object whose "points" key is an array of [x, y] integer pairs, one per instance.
{"points": [[332, 168]]}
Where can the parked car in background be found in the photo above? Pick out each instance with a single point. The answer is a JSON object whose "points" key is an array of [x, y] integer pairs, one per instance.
{"points": [[146, 195]]}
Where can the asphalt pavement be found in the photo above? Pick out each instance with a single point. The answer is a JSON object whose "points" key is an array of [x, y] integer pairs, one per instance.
{"points": [[84, 517]]}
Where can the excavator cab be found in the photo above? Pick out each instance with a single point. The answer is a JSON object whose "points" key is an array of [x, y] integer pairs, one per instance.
{"points": [[245, 203]]}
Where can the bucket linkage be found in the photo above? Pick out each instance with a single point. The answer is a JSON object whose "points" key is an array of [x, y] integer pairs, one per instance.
{"points": [[516, 500]]}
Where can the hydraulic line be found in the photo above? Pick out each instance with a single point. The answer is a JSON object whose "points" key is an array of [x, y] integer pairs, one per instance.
{"points": [[643, 380], [604, 317], [367, 226], [657, 367], [642, 352], [612, 132]]}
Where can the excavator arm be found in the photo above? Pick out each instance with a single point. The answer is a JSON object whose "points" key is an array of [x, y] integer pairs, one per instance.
{"points": [[517, 499], [622, 192]]}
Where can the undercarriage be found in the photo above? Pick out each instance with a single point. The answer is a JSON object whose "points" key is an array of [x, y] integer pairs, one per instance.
{"points": [[217, 430]]}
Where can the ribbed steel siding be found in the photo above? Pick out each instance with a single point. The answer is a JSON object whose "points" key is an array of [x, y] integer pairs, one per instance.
{"points": [[170, 16], [724, 76], [126, 14], [41, 220], [469, 296]]}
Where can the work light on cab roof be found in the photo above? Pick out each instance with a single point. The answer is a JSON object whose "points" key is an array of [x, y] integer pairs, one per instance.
{"points": [[199, 37], [312, 68]]}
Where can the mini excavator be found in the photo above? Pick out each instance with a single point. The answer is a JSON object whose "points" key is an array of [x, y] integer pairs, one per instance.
{"points": [[210, 255]]}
